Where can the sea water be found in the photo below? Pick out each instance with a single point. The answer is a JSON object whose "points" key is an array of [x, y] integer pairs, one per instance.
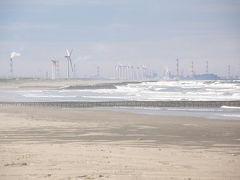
{"points": [[146, 91]]}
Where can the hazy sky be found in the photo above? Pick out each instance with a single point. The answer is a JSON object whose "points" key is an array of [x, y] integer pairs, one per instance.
{"points": [[106, 32]]}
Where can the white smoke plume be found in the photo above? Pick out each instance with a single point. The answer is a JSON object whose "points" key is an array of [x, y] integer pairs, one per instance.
{"points": [[14, 54]]}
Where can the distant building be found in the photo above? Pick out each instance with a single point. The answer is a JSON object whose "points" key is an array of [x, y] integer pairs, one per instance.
{"points": [[205, 77]]}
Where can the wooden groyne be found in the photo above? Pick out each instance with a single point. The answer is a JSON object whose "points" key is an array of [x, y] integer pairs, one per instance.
{"points": [[127, 104]]}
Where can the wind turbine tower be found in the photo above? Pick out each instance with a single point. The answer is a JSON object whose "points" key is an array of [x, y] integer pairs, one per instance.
{"points": [[12, 56], [132, 72], [127, 72], [57, 69], [120, 71], [143, 72], [98, 71], [116, 70], [124, 72], [206, 67], [74, 71], [69, 62], [138, 73], [54, 69]]}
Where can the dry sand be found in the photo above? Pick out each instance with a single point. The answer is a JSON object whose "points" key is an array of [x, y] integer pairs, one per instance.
{"points": [[51, 143]]}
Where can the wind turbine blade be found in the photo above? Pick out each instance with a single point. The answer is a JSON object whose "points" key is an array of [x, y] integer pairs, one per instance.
{"points": [[70, 52], [14, 54]]}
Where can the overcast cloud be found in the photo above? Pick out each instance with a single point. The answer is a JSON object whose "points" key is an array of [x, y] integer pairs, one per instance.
{"points": [[106, 32]]}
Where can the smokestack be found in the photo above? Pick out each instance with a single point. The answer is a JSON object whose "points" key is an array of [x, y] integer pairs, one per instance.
{"points": [[192, 69], [206, 67], [98, 71], [229, 71], [177, 67], [11, 67]]}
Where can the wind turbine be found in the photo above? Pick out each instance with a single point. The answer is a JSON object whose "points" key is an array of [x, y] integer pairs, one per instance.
{"points": [[69, 61], [132, 72], [144, 72], [54, 68], [116, 71], [13, 55], [120, 71]]}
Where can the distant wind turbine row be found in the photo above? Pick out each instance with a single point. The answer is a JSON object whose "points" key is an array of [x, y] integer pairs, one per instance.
{"points": [[127, 72], [55, 64], [124, 72]]}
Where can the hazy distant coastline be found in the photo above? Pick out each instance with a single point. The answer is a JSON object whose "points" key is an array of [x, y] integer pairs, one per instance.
{"points": [[62, 83], [102, 85]]}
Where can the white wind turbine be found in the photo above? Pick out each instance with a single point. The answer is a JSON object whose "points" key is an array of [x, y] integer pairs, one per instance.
{"points": [[132, 72], [69, 61], [116, 72], [120, 71], [54, 68], [13, 55]]}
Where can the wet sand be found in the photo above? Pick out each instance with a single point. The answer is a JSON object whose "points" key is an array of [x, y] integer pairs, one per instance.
{"points": [[54, 143]]}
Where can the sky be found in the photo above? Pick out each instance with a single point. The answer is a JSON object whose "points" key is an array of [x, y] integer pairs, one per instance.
{"points": [[104, 33]]}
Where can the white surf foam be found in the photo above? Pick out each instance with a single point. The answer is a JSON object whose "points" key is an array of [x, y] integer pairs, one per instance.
{"points": [[230, 107]]}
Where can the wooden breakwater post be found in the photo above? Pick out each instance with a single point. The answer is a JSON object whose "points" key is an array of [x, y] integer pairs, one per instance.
{"points": [[88, 104]]}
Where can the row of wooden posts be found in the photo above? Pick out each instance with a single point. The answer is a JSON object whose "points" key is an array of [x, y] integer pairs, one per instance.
{"points": [[128, 104]]}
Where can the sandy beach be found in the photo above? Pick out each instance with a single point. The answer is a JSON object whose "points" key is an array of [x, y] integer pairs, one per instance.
{"points": [[54, 143]]}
